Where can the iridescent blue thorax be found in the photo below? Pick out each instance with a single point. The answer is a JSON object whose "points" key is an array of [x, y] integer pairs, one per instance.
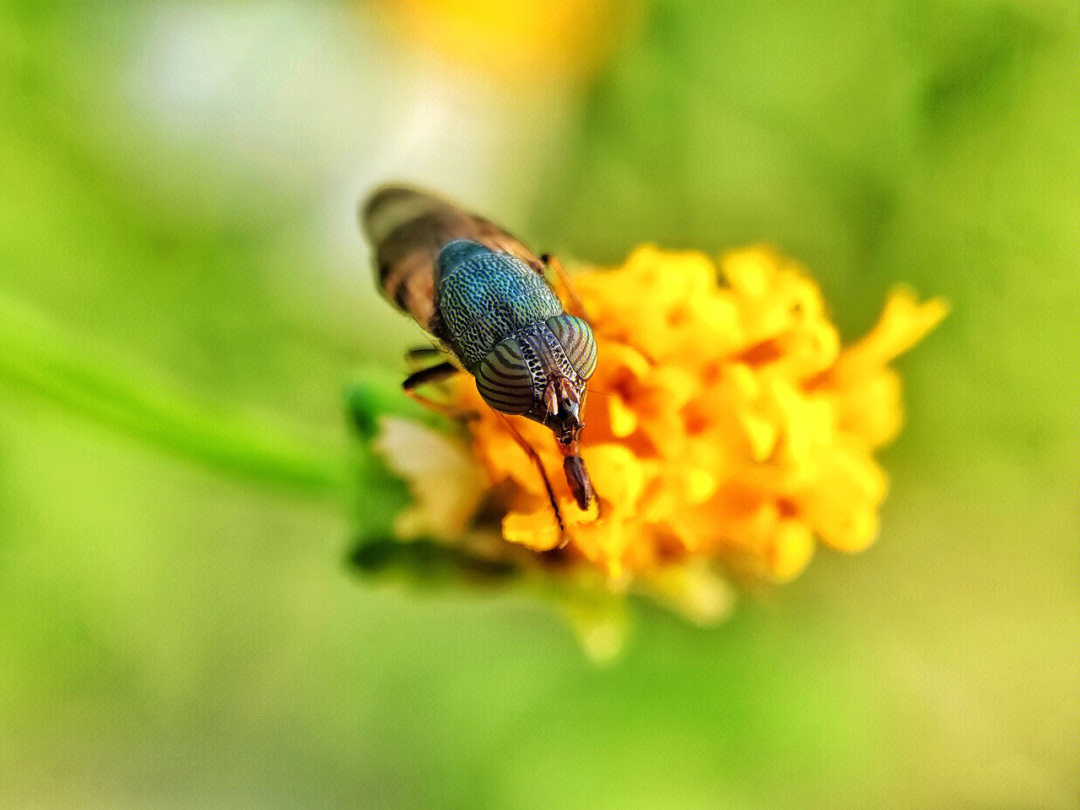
{"points": [[483, 296]]}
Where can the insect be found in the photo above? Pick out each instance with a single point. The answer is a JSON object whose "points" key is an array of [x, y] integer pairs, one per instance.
{"points": [[484, 297]]}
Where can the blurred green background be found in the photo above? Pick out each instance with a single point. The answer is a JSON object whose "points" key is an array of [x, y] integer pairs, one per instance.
{"points": [[185, 298]]}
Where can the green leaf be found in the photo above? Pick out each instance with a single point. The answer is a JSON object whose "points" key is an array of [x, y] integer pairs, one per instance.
{"points": [[90, 379]]}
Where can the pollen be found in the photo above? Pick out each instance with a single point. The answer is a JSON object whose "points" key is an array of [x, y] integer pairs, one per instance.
{"points": [[725, 420]]}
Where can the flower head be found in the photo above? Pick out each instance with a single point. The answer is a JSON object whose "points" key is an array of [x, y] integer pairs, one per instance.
{"points": [[728, 434], [515, 39], [725, 420]]}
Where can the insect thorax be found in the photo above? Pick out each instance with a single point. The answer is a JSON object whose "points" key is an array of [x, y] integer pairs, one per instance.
{"points": [[484, 297]]}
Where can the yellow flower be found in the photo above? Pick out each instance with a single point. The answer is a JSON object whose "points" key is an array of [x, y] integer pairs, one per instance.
{"points": [[515, 39], [725, 421]]}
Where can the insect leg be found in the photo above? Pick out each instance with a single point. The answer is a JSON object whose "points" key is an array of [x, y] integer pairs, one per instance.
{"points": [[432, 374], [565, 538], [421, 353], [576, 307]]}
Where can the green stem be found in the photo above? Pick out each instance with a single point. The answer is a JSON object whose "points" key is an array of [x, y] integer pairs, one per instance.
{"points": [[40, 355]]}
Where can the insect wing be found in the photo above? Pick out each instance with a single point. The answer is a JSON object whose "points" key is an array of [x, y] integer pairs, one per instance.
{"points": [[408, 228]]}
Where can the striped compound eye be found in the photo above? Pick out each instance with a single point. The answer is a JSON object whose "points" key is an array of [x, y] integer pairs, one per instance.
{"points": [[503, 379], [577, 341]]}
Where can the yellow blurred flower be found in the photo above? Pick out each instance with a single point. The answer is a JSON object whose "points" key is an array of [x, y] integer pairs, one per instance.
{"points": [[515, 38], [725, 421]]}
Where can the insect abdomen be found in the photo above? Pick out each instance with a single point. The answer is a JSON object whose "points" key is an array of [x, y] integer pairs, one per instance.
{"points": [[484, 296]]}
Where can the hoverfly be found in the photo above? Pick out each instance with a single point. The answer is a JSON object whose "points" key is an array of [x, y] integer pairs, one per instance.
{"points": [[483, 296]]}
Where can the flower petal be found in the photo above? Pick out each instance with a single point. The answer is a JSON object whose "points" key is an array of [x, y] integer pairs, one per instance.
{"points": [[446, 482]]}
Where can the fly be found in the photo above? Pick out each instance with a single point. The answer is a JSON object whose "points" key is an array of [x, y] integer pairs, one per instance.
{"points": [[484, 297]]}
